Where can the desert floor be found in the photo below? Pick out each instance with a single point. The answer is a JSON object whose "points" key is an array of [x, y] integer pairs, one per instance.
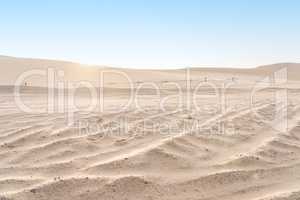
{"points": [[218, 149]]}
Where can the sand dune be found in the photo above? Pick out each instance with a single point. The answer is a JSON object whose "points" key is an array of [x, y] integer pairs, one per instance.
{"points": [[76, 72], [236, 152]]}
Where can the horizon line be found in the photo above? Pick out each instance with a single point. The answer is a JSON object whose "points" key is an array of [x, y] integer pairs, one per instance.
{"points": [[84, 64]]}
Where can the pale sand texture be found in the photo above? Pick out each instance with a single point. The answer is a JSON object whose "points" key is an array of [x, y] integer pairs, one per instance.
{"points": [[43, 158]]}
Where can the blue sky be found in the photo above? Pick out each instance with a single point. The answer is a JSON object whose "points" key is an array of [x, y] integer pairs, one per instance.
{"points": [[153, 33]]}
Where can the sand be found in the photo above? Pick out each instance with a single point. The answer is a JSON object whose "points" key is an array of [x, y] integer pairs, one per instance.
{"points": [[218, 148]]}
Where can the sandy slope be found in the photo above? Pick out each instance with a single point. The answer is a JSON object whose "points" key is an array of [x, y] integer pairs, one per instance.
{"points": [[41, 157], [76, 72]]}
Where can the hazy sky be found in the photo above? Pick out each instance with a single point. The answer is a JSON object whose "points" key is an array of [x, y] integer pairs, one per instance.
{"points": [[153, 33]]}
